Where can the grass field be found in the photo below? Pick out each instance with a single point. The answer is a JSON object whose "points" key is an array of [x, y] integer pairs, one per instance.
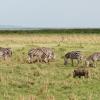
{"points": [[54, 81]]}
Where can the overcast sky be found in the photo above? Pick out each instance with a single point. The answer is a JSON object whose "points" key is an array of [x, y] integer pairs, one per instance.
{"points": [[50, 13]]}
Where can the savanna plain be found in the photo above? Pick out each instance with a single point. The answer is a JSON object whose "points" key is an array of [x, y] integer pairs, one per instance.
{"points": [[20, 80]]}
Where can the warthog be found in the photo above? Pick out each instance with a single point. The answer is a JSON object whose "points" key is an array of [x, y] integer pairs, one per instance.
{"points": [[80, 72], [5, 53], [73, 55], [91, 60], [42, 54]]}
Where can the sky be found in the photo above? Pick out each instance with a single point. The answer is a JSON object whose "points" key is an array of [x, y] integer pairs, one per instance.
{"points": [[50, 13]]}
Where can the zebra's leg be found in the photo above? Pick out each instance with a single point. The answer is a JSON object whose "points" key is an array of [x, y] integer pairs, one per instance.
{"points": [[65, 61], [4, 57], [72, 62], [94, 64], [39, 59], [87, 63], [46, 60], [29, 60], [78, 61]]}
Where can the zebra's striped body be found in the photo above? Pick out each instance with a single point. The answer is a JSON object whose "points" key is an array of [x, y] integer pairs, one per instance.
{"points": [[40, 54], [73, 55], [48, 52], [36, 55], [91, 60], [5, 53]]}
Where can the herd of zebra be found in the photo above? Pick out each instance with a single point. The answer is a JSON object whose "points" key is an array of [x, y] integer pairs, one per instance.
{"points": [[44, 54], [88, 61]]}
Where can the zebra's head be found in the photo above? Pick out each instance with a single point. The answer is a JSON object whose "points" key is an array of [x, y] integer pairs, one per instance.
{"points": [[65, 61]]}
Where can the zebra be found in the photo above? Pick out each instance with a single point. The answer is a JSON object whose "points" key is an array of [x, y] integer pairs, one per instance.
{"points": [[49, 52], [40, 54], [5, 53], [91, 60], [8, 52], [34, 55], [73, 55]]}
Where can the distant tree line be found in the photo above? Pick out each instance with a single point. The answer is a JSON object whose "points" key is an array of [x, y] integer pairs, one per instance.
{"points": [[51, 31]]}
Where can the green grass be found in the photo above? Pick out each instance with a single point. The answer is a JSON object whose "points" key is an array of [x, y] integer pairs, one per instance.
{"points": [[54, 81]]}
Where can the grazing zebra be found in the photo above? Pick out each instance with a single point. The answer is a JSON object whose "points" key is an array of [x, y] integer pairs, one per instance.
{"points": [[91, 60], [73, 55], [35, 55], [8, 52], [5, 53], [40, 54]]}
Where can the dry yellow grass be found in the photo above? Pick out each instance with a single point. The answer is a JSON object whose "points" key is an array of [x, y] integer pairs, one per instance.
{"points": [[51, 38]]}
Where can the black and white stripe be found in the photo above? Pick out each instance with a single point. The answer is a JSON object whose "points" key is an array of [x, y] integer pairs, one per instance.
{"points": [[40, 54], [73, 55], [5, 53], [91, 60]]}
